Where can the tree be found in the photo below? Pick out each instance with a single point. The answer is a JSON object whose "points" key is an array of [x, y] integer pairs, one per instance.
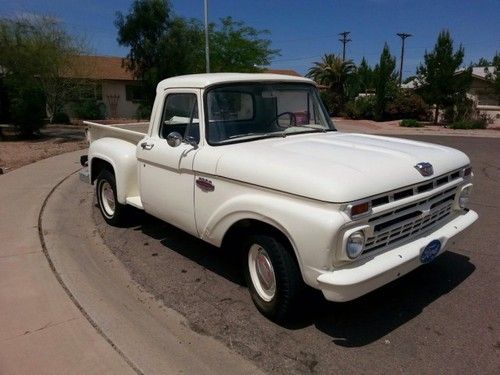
{"points": [[36, 55], [144, 30], [365, 76], [332, 72], [385, 81], [440, 85], [494, 76], [162, 45], [236, 47], [482, 62]]}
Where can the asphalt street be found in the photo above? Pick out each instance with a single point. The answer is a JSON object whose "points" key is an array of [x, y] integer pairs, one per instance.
{"points": [[441, 318]]}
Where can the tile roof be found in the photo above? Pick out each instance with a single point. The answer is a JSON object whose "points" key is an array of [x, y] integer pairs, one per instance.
{"points": [[99, 68], [483, 71], [110, 68], [286, 72]]}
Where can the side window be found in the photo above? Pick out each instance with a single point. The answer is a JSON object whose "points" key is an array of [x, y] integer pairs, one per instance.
{"points": [[180, 114]]}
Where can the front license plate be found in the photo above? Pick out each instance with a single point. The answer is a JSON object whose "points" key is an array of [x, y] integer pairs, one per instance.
{"points": [[430, 251]]}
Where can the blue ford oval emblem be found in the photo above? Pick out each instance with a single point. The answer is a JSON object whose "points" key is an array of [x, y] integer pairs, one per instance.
{"points": [[425, 169], [430, 251]]}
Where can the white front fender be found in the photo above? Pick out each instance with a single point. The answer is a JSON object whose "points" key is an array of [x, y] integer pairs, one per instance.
{"points": [[310, 226]]}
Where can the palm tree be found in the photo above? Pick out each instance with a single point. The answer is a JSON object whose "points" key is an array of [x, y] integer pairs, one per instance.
{"points": [[333, 72]]}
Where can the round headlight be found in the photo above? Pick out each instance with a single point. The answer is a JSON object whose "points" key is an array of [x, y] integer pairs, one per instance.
{"points": [[463, 198], [355, 244]]}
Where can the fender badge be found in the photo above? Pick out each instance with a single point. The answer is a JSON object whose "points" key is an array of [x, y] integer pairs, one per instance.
{"points": [[425, 169], [205, 184]]}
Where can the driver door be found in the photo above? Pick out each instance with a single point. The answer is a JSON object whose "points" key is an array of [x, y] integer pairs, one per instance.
{"points": [[166, 172]]}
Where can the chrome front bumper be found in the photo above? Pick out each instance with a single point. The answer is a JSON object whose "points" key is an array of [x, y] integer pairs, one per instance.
{"points": [[356, 279]]}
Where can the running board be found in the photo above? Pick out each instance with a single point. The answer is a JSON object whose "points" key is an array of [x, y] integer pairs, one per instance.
{"points": [[135, 202]]}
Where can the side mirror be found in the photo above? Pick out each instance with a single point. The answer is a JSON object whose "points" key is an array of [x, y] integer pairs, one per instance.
{"points": [[174, 139]]}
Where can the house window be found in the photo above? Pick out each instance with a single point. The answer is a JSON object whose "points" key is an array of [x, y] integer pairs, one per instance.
{"points": [[134, 93], [91, 91]]}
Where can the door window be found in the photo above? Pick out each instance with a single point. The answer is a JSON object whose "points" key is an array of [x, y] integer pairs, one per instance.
{"points": [[180, 114]]}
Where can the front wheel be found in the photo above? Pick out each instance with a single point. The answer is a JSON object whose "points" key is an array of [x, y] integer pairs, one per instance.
{"points": [[273, 277], [112, 211]]}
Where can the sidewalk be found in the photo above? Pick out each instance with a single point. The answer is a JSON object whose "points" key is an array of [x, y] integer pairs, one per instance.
{"points": [[41, 330], [120, 328]]}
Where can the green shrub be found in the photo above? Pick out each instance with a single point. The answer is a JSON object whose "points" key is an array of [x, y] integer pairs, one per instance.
{"points": [[480, 123], [89, 109], [28, 110], [406, 106], [60, 118], [463, 109], [410, 123], [361, 108], [332, 102], [143, 111]]}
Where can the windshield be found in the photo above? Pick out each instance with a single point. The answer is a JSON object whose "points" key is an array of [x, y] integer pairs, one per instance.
{"points": [[243, 112]]}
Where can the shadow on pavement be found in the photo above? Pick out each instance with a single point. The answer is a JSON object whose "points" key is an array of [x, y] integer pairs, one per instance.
{"points": [[220, 261], [367, 319], [351, 324]]}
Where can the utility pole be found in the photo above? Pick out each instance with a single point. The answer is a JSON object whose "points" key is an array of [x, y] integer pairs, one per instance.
{"points": [[344, 41], [207, 49], [403, 36]]}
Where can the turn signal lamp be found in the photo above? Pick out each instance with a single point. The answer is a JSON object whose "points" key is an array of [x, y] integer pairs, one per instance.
{"points": [[360, 209]]}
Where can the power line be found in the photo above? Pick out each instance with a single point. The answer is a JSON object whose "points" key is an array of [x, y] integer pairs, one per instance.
{"points": [[403, 36], [344, 40], [207, 49]]}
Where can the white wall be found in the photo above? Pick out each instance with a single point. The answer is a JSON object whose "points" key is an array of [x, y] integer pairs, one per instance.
{"points": [[125, 109]]}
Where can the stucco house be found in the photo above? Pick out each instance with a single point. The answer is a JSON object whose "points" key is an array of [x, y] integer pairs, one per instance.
{"points": [[108, 81], [480, 91]]}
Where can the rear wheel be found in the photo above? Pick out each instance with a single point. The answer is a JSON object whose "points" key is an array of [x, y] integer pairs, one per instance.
{"points": [[273, 277], [112, 211]]}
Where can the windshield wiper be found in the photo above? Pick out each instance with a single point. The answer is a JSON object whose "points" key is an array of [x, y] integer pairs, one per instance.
{"points": [[323, 130], [251, 136]]}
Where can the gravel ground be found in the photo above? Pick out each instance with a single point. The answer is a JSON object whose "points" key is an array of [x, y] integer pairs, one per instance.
{"points": [[442, 318], [393, 128], [54, 140]]}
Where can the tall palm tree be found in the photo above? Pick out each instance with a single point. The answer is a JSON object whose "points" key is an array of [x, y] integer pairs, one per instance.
{"points": [[333, 72]]}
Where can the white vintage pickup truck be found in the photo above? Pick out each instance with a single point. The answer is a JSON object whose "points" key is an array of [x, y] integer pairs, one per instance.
{"points": [[253, 162]]}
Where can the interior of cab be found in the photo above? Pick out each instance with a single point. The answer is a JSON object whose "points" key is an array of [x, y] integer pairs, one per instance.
{"points": [[242, 111], [238, 111], [180, 114]]}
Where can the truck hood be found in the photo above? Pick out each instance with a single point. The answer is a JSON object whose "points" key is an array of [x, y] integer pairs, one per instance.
{"points": [[334, 167]]}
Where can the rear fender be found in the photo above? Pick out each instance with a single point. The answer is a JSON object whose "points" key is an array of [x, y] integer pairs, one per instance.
{"points": [[121, 155]]}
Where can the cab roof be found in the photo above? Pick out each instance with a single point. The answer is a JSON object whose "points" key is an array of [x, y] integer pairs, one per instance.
{"points": [[209, 79]]}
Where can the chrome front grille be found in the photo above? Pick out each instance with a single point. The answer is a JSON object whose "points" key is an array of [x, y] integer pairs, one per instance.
{"points": [[416, 189], [410, 220]]}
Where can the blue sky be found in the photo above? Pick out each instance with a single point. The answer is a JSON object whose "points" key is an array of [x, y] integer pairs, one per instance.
{"points": [[304, 30]]}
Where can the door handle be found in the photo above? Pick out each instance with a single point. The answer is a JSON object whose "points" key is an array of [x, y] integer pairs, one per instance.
{"points": [[147, 146]]}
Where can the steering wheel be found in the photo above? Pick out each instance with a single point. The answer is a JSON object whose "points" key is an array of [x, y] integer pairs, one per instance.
{"points": [[293, 119]]}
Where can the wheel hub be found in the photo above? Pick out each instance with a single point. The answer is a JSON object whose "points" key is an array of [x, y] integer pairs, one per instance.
{"points": [[108, 198], [262, 272]]}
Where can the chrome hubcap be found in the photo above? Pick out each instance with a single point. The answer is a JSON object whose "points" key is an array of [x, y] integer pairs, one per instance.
{"points": [[262, 272], [107, 199]]}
